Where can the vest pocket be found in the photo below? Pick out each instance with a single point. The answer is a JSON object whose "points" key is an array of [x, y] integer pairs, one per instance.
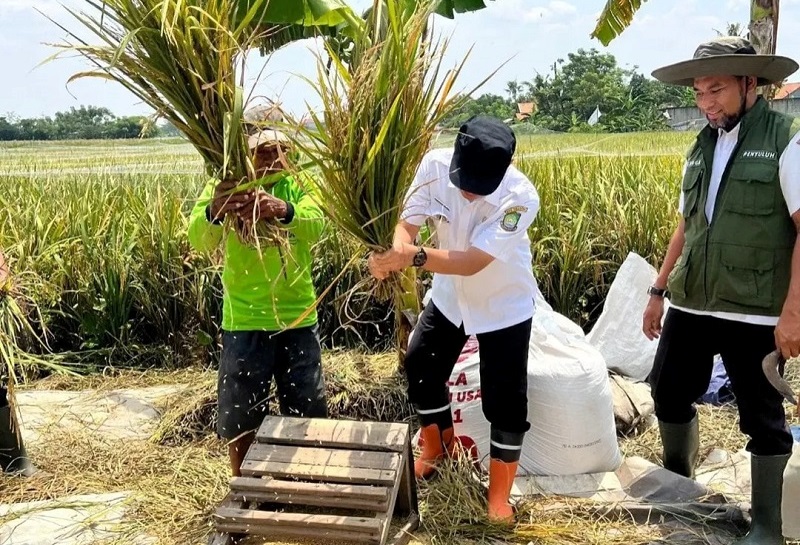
{"points": [[751, 188], [676, 283], [745, 276], [691, 191]]}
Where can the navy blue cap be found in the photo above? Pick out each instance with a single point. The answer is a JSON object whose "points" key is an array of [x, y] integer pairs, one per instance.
{"points": [[483, 151]]}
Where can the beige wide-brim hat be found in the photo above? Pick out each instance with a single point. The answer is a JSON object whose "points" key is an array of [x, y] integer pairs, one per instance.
{"points": [[727, 56], [268, 136]]}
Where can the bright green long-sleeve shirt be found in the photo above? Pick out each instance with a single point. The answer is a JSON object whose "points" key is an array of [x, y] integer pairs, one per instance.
{"points": [[268, 292]]}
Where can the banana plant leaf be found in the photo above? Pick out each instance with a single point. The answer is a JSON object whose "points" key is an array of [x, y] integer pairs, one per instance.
{"points": [[287, 21], [448, 8], [616, 16], [303, 12]]}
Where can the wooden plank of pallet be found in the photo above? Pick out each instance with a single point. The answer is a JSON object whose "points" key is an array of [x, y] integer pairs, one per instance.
{"points": [[368, 498], [222, 537], [332, 536], [245, 520], [328, 490], [310, 472], [387, 518], [263, 452], [333, 433], [315, 501], [407, 502], [404, 535]]}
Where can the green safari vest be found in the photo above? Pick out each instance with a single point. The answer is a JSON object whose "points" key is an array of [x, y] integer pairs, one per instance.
{"points": [[741, 261]]}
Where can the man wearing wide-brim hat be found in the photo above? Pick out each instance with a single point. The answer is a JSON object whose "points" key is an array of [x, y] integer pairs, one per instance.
{"points": [[732, 268], [269, 320]]}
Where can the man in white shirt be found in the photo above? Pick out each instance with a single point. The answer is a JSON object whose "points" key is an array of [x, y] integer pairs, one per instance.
{"points": [[483, 285], [732, 268]]}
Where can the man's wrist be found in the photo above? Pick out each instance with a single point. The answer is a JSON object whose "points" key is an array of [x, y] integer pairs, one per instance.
{"points": [[655, 291], [419, 257]]}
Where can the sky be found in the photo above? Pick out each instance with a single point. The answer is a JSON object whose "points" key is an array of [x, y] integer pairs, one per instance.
{"points": [[516, 38]]}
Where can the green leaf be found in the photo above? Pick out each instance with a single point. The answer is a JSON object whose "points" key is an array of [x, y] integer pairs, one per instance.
{"points": [[448, 8], [617, 15], [303, 12]]}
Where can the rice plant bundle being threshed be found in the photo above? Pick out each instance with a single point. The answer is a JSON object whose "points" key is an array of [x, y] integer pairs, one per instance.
{"points": [[379, 110], [180, 58]]}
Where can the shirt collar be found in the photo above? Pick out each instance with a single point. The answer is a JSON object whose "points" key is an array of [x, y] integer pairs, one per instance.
{"points": [[492, 198], [733, 133]]}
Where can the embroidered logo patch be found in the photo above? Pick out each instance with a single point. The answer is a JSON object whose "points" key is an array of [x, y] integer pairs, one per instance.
{"points": [[694, 163], [511, 218], [759, 154]]}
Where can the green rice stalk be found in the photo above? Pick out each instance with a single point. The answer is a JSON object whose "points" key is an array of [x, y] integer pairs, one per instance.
{"points": [[180, 57], [379, 110], [15, 362]]}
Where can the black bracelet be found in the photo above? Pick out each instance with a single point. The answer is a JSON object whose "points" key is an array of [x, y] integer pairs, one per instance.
{"points": [[209, 219], [289, 213]]}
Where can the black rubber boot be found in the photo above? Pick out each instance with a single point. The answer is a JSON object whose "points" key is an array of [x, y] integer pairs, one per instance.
{"points": [[13, 458], [681, 444], [765, 503]]}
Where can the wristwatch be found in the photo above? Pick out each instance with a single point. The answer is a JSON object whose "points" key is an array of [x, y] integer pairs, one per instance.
{"points": [[658, 292], [420, 257]]}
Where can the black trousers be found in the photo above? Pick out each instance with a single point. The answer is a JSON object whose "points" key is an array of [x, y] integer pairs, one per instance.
{"points": [[433, 352], [249, 362], [682, 371]]}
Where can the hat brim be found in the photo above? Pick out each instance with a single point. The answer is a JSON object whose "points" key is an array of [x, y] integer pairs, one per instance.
{"points": [[267, 137], [767, 68], [476, 183]]}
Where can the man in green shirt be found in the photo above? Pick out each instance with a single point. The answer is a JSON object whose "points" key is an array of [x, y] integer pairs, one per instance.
{"points": [[732, 268], [265, 292]]}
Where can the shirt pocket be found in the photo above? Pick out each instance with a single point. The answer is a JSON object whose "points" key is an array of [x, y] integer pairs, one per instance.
{"points": [[679, 274], [751, 188], [691, 190], [746, 276], [439, 224]]}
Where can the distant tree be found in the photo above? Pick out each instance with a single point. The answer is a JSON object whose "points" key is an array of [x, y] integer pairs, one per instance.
{"points": [[36, 129], [168, 129], [8, 129], [589, 80], [513, 88], [83, 123], [487, 104], [732, 29], [133, 127], [586, 80]]}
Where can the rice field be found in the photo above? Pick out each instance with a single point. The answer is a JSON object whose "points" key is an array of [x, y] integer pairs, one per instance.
{"points": [[96, 232], [58, 158]]}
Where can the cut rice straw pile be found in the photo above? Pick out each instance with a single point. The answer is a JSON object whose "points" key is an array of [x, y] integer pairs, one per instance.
{"points": [[175, 489]]}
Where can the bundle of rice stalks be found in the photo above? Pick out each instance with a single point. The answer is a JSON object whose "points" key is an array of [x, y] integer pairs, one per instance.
{"points": [[180, 57], [453, 510], [358, 387], [379, 110], [365, 387], [190, 416], [16, 333]]}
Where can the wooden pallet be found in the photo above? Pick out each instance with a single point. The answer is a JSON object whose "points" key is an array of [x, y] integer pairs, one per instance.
{"points": [[337, 480]]}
